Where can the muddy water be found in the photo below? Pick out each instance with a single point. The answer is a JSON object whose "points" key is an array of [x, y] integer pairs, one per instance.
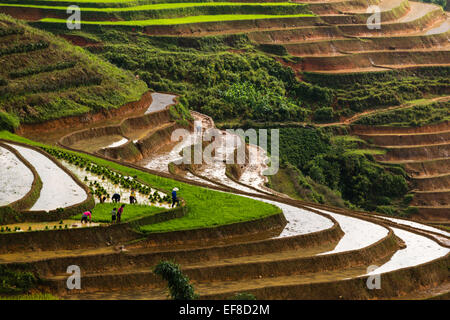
{"points": [[12, 188], [37, 226], [59, 190], [160, 162], [417, 225], [418, 250], [300, 221], [98, 143], [160, 102], [117, 144], [111, 188], [358, 233], [252, 175]]}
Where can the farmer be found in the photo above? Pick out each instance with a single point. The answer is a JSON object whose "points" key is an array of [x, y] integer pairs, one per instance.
{"points": [[175, 199], [133, 197], [85, 215], [113, 215], [119, 213], [116, 198]]}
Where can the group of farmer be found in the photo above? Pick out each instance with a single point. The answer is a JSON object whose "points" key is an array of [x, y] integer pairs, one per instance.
{"points": [[116, 215], [116, 197]]}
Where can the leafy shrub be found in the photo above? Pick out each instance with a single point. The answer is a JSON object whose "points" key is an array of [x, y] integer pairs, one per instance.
{"points": [[179, 286], [324, 114], [16, 282], [387, 210], [8, 121]]}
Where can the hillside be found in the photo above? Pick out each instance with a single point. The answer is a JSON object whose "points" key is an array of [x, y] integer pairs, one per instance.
{"points": [[286, 65], [44, 78]]}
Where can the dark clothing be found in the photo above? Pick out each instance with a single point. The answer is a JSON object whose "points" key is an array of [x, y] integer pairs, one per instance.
{"points": [[175, 199], [132, 200], [113, 216], [115, 197], [84, 219]]}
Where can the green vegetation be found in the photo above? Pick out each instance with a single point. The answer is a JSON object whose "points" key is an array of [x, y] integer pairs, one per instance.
{"points": [[342, 166], [417, 115], [46, 84], [205, 208], [16, 282], [102, 212], [212, 78], [183, 20], [359, 92], [37, 296], [174, 13], [179, 286]]}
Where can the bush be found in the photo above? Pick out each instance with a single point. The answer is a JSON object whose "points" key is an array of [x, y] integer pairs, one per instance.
{"points": [[8, 122], [16, 282], [179, 286], [324, 114]]}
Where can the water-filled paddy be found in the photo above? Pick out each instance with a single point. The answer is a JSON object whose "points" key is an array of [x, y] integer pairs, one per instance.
{"points": [[59, 190], [16, 178]]}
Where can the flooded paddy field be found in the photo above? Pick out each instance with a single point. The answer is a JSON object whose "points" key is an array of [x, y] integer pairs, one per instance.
{"points": [[12, 188]]}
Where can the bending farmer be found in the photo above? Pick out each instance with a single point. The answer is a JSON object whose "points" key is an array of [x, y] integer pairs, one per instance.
{"points": [[175, 199]]}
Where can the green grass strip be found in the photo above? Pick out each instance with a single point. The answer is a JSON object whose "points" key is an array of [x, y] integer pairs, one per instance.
{"points": [[184, 20], [102, 211]]}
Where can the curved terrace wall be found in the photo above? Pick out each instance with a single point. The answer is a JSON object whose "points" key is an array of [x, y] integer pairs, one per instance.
{"points": [[428, 168], [9, 213], [408, 139], [424, 152], [363, 129], [82, 121], [238, 26], [129, 151], [396, 283], [396, 28], [54, 215], [373, 59], [366, 44], [119, 261], [83, 237], [441, 182]]}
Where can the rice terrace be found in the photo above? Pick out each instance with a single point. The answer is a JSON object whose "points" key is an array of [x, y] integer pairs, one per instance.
{"points": [[224, 150]]}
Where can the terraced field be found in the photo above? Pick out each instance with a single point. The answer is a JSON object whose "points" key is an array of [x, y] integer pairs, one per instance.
{"points": [[232, 234], [324, 36], [319, 253], [424, 152]]}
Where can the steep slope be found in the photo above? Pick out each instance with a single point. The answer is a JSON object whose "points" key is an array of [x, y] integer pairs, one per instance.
{"points": [[44, 78]]}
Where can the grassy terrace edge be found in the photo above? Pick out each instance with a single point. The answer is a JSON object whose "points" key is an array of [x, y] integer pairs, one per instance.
{"points": [[160, 6], [205, 208], [183, 20]]}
